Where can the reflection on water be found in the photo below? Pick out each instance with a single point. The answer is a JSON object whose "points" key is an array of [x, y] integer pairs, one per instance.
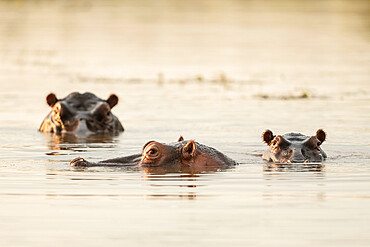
{"points": [[65, 141], [187, 170], [294, 172], [304, 167], [156, 184], [183, 186]]}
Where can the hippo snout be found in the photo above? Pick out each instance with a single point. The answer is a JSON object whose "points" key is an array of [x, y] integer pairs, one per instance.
{"points": [[296, 156], [82, 126]]}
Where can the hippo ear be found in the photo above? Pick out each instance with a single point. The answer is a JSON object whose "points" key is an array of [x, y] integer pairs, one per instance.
{"points": [[268, 136], [321, 135], [112, 100], [188, 151], [180, 139], [51, 99]]}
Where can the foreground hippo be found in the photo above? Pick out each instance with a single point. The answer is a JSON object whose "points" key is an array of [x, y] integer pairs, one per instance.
{"points": [[81, 114], [294, 147], [178, 156]]}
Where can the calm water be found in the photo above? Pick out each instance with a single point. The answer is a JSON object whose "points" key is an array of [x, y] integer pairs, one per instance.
{"points": [[220, 72]]}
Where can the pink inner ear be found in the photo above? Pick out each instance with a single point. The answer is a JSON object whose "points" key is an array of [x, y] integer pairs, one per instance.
{"points": [[190, 148]]}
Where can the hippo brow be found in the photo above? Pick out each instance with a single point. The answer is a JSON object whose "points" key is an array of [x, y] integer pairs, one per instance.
{"points": [[296, 139], [146, 144], [310, 141]]}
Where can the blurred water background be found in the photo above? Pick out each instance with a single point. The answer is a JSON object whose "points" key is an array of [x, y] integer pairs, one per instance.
{"points": [[219, 72]]}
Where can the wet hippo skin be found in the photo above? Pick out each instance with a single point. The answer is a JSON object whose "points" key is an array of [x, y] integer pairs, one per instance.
{"points": [[294, 147], [81, 114], [176, 155]]}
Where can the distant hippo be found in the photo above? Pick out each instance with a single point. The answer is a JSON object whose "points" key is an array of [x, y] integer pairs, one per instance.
{"points": [[81, 114], [294, 147], [177, 156]]}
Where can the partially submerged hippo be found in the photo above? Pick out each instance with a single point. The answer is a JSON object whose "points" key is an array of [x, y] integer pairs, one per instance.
{"points": [[177, 156], [81, 114], [294, 147]]}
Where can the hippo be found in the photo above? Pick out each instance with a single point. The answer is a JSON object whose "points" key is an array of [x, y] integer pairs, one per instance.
{"points": [[294, 147], [81, 114], [183, 155]]}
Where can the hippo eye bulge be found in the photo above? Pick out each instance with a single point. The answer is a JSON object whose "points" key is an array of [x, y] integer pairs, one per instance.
{"points": [[56, 109], [275, 146], [56, 114], [104, 117], [107, 117]]}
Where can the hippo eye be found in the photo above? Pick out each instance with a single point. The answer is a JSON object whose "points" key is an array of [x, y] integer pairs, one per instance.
{"points": [[56, 109], [319, 143], [152, 151]]}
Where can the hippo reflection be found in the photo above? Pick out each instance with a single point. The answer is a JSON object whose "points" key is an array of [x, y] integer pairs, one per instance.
{"points": [[294, 147], [178, 156], [81, 114]]}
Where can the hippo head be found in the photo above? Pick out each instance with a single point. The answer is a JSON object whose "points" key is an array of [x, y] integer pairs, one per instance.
{"points": [[81, 114], [183, 154], [157, 158], [294, 147]]}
